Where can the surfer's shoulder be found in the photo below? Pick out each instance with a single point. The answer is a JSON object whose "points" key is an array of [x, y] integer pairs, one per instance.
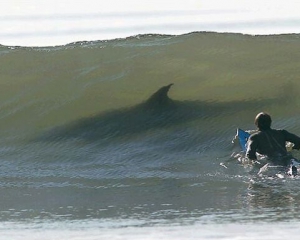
{"points": [[281, 131], [254, 134]]}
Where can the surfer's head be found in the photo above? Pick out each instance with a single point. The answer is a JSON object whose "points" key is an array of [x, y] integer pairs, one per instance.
{"points": [[263, 121]]}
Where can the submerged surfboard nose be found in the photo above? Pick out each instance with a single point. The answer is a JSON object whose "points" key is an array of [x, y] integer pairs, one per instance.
{"points": [[243, 138]]}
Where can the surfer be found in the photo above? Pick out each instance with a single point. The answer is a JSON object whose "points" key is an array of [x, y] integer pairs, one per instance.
{"points": [[271, 142]]}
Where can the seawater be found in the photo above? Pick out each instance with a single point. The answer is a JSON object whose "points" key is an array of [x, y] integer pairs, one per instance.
{"points": [[92, 149]]}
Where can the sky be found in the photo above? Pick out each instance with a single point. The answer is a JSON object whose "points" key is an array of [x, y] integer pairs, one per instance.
{"points": [[58, 22]]}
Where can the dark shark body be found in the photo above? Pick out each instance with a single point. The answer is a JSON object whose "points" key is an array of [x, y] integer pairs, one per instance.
{"points": [[159, 111]]}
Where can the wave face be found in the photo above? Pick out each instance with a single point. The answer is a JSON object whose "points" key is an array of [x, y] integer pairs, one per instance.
{"points": [[93, 130]]}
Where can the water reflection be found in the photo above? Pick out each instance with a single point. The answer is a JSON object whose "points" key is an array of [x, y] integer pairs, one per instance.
{"points": [[274, 199]]}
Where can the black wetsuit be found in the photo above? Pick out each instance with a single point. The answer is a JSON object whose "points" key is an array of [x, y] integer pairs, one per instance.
{"points": [[271, 143]]}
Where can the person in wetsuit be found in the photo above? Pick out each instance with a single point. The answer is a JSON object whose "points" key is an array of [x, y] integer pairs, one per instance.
{"points": [[270, 142]]}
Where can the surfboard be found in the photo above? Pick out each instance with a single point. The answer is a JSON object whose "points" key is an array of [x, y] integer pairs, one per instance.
{"points": [[243, 138]]}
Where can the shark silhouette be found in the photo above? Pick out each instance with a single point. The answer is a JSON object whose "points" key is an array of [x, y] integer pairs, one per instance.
{"points": [[158, 111]]}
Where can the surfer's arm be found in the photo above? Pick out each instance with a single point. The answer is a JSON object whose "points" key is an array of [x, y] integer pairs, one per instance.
{"points": [[290, 137], [251, 149]]}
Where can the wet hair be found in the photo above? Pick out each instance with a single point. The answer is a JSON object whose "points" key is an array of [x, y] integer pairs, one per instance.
{"points": [[263, 121]]}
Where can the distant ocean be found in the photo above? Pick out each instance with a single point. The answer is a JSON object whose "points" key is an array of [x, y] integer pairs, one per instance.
{"points": [[65, 26], [96, 143]]}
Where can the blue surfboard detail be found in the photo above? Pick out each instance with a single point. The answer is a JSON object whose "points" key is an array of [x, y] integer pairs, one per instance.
{"points": [[243, 138]]}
